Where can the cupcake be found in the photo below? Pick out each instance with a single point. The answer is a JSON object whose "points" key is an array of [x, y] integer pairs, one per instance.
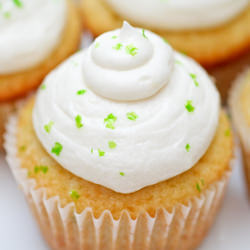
{"points": [[212, 32], [123, 148], [35, 37], [239, 102]]}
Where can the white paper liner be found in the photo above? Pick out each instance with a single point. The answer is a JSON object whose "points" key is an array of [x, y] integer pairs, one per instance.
{"points": [[240, 123], [64, 228]]}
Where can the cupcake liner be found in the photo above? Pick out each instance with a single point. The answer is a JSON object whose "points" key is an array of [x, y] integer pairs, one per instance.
{"points": [[240, 124], [182, 228]]}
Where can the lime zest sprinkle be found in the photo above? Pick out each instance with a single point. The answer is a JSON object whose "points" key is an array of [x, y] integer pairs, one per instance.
{"points": [[78, 120], [22, 148], [188, 147], [43, 86], [198, 187], [97, 45], [122, 174], [43, 169], [227, 132], [178, 62], [74, 194], [81, 92], [57, 149], [48, 126], [132, 116], [118, 46], [18, 3], [110, 120], [143, 34], [7, 14], [202, 182], [92, 150], [114, 37], [189, 106], [131, 50], [194, 77], [112, 144], [165, 40], [100, 152]]}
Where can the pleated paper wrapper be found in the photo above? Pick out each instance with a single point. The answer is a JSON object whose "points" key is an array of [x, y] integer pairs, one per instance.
{"points": [[239, 122], [63, 228]]}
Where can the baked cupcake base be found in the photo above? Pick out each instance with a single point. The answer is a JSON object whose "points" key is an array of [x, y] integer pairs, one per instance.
{"points": [[175, 214], [239, 102], [13, 86], [209, 47]]}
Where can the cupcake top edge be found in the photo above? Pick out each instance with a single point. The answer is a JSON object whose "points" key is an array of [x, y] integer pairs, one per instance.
{"points": [[30, 31], [178, 14], [127, 112]]}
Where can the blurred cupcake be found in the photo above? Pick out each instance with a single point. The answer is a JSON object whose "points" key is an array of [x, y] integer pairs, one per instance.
{"points": [[212, 32], [240, 109], [35, 36], [123, 148]]}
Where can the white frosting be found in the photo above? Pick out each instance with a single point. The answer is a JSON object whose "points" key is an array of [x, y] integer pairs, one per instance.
{"points": [[151, 148], [178, 14], [29, 33]]}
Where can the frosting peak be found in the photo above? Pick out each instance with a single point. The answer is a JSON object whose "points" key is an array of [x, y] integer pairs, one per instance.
{"points": [[128, 64]]}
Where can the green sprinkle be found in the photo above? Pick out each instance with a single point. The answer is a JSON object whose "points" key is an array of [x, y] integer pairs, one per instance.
{"points": [[118, 46], [97, 45], [43, 169], [74, 194], [165, 40], [18, 3], [202, 182], [194, 77], [43, 87], [29, 173], [112, 144], [114, 37], [227, 132], [48, 127], [190, 108], [92, 150], [78, 120], [131, 50], [7, 15], [22, 148], [57, 149], [178, 62], [132, 116], [101, 153], [81, 92], [143, 34], [198, 187], [122, 174], [110, 120], [187, 147]]}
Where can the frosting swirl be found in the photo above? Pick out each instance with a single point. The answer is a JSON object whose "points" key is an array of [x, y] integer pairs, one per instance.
{"points": [[30, 30], [121, 64], [126, 145], [178, 14]]}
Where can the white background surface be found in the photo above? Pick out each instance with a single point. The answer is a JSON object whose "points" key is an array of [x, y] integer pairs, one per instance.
{"points": [[18, 230]]}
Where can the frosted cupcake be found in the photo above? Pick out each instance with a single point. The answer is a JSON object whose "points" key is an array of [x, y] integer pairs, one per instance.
{"points": [[34, 37], [212, 32], [240, 109], [123, 148]]}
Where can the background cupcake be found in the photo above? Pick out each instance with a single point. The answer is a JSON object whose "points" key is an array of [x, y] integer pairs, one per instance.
{"points": [[35, 36], [212, 32], [240, 109], [111, 154]]}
